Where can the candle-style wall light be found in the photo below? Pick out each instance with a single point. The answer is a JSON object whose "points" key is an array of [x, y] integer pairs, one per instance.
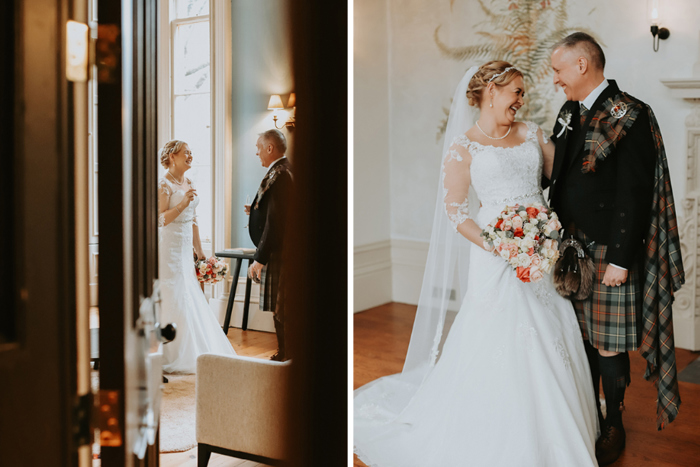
{"points": [[657, 32]]}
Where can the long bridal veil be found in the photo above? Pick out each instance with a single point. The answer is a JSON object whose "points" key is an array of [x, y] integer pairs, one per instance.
{"points": [[444, 286]]}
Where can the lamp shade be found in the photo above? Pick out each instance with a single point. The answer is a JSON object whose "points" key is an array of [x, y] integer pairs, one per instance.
{"points": [[292, 102], [275, 102]]}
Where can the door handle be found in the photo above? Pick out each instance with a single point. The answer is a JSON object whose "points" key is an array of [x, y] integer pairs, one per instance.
{"points": [[167, 334]]}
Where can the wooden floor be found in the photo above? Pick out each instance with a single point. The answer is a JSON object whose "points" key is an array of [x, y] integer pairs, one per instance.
{"points": [[381, 337], [249, 344]]}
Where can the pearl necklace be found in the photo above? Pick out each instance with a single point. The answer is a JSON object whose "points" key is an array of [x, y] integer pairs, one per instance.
{"points": [[491, 137], [175, 180]]}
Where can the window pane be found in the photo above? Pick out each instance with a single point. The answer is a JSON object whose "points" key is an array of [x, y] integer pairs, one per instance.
{"points": [[190, 8], [192, 122], [201, 178], [192, 71], [192, 118]]}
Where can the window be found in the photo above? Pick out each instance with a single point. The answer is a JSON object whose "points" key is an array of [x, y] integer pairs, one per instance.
{"points": [[190, 99]]}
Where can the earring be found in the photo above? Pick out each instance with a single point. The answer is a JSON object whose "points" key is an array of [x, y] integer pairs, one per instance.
{"points": [[491, 105]]}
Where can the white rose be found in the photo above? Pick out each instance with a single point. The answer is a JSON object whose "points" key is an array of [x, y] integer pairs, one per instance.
{"points": [[528, 243], [547, 266], [523, 260], [497, 242], [542, 216], [505, 254]]}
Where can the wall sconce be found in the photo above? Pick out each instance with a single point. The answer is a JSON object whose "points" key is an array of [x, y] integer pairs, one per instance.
{"points": [[655, 19], [275, 104]]}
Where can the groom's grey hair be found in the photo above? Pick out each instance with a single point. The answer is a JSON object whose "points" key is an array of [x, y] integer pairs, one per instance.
{"points": [[277, 139], [587, 44]]}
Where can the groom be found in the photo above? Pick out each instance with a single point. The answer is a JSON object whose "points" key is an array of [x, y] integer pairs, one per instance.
{"points": [[609, 183], [268, 215]]}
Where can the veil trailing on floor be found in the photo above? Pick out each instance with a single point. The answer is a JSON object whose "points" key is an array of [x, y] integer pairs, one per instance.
{"points": [[444, 283]]}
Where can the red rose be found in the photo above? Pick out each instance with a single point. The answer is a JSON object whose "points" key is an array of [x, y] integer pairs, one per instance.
{"points": [[523, 274], [531, 251], [498, 224], [518, 233], [532, 212]]}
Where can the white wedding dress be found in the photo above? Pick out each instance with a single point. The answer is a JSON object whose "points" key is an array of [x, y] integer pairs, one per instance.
{"points": [[182, 300], [512, 386]]}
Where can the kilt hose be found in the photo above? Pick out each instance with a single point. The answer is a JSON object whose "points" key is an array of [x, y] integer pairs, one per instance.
{"points": [[611, 318]]}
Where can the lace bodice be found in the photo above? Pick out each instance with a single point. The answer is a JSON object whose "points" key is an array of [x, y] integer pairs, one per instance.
{"points": [[176, 194], [499, 176]]}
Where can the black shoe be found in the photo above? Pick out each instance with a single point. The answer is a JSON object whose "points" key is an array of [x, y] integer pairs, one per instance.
{"points": [[610, 445], [278, 357]]}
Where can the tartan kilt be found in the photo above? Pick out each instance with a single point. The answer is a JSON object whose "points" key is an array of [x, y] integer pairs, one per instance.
{"points": [[270, 280], [611, 318]]}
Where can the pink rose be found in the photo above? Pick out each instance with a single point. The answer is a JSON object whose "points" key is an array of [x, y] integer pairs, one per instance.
{"points": [[554, 224], [535, 274], [517, 222], [511, 248], [536, 260]]}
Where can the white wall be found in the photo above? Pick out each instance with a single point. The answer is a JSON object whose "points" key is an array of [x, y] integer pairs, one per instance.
{"points": [[372, 157], [421, 82]]}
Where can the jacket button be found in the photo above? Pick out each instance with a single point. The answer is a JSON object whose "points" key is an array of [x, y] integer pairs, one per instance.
{"points": [[617, 246], [622, 214]]}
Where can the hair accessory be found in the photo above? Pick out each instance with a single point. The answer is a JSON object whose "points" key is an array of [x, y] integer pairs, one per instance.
{"points": [[501, 73]]}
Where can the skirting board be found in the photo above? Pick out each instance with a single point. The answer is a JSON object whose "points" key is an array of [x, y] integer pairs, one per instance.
{"points": [[408, 259], [388, 271], [257, 320], [372, 275]]}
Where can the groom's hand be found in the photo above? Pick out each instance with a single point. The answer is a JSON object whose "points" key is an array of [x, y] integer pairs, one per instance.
{"points": [[614, 276], [255, 270]]}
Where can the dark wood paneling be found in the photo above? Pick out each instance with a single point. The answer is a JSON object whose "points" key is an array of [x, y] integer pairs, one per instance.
{"points": [[37, 376], [316, 259]]}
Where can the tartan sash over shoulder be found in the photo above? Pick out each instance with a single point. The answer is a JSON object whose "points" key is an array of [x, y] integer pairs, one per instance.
{"points": [[278, 168], [608, 127], [663, 275]]}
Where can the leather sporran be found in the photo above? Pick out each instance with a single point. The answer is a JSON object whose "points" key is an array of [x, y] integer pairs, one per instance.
{"points": [[574, 271]]}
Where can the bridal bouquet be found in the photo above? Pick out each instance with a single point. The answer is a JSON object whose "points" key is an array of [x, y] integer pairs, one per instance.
{"points": [[526, 237], [211, 271]]}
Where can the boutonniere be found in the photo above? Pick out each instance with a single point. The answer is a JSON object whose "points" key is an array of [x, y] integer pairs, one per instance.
{"points": [[565, 121]]}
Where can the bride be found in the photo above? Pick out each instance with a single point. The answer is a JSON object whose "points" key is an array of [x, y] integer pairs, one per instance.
{"points": [[182, 300], [512, 386]]}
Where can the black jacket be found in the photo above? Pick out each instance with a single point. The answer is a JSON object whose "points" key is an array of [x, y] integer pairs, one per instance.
{"points": [[268, 212], [612, 203]]}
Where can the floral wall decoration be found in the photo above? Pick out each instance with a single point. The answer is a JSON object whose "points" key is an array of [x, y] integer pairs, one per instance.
{"points": [[521, 32]]}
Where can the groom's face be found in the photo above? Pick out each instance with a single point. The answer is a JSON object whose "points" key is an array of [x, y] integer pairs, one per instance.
{"points": [[567, 73]]}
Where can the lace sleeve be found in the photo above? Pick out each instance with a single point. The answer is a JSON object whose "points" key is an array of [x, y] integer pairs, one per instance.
{"points": [[164, 193], [455, 184]]}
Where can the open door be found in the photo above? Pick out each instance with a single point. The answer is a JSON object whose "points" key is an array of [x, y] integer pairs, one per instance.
{"points": [[130, 364], [45, 396]]}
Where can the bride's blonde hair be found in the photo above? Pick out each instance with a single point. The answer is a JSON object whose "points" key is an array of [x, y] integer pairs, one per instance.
{"points": [[485, 74], [171, 147]]}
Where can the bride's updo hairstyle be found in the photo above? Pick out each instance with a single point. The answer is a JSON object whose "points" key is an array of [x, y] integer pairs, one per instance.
{"points": [[171, 147], [481, 78]]}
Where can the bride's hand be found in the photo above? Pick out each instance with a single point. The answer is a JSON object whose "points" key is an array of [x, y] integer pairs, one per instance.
{"points": [[189, 196], [201, 255], [488, 247]]}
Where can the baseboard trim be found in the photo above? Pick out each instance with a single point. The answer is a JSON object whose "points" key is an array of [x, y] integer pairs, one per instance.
{"points": [[372, 275]]}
